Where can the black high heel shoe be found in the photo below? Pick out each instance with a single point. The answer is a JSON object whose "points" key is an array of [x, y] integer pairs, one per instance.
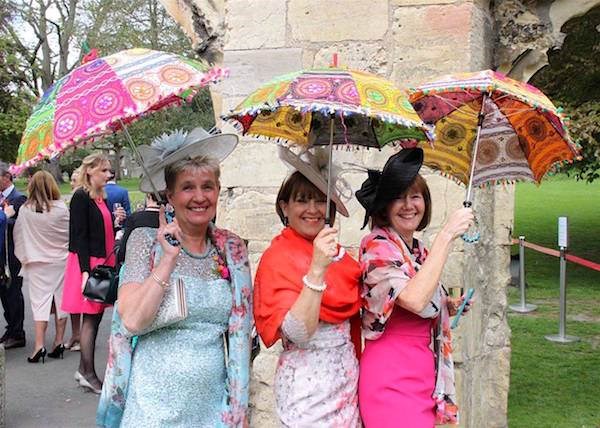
{"points": [[57, 352], [39, 354]]}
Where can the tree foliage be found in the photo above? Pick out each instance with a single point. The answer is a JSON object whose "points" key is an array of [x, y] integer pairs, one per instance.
{"points": [[114, 25], [572, 79], [40, 41], [14, 101]]}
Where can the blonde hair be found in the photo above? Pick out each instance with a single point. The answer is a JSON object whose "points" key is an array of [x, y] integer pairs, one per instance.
{"points": [[75, 177], [42, 190], [89, 162]]}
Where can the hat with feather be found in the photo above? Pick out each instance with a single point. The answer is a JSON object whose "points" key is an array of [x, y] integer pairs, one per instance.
{"points": [[170, 148], [313, 165]]}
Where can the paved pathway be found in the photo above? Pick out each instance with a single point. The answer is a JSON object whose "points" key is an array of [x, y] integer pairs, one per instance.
{"points": [[46, 395]]}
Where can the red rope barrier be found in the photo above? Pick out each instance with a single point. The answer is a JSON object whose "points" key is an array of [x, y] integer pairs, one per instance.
{"points": [[549, 251]]}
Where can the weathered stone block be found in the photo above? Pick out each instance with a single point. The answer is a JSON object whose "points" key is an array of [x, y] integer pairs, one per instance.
{"points": [[337, 20], [487, 380], [253, 163], [252, 26], [370, 57], [439, 22], [262, 400], [251, 68], [445, 32], [265, 363], [227, 104], [452, 276], [249, 213], [420, 2]]}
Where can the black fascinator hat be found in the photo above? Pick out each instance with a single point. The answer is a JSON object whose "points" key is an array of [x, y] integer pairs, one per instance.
{"points": [[397, 175]]}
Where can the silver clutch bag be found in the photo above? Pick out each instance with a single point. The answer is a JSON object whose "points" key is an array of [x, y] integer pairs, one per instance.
{"points": [[172, 309]]}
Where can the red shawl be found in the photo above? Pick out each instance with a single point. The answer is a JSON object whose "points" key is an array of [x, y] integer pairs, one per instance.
{"points": [[278, 284]]}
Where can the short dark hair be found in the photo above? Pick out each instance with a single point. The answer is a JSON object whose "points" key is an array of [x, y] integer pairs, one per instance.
{"points": [[4, 170], [380, 217], [298, 185], [162, 195]]}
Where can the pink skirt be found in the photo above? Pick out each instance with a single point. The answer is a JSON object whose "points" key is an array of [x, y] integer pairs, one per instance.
{"points": [[397, 375], [73, 300]]}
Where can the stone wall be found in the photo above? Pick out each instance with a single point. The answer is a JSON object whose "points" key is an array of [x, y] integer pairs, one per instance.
{"points": [[408, 41]]}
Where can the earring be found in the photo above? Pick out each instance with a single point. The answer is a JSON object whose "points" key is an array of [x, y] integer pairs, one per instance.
{"points": [[286, 221]]}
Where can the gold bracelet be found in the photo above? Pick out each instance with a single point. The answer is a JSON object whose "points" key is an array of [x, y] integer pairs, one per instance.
{"points": [[163, 284]]}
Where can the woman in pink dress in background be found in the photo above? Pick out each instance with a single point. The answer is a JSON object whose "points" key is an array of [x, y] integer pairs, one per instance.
{"points": [[404, 305], [91, 242]]}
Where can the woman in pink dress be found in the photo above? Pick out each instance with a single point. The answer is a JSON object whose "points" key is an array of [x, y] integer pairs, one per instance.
{"points": [[91, 242], [404, 304]]}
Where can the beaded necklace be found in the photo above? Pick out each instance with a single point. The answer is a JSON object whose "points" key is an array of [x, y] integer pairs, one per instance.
{"points": [[220, 268]]}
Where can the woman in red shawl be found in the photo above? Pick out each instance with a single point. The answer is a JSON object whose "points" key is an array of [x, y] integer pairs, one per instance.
{"points": [[307, 300]]}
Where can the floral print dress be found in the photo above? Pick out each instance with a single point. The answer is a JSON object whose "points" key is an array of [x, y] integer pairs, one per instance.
{"points": [[316, 382]]}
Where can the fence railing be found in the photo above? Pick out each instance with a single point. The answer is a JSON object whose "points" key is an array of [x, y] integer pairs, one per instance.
{"points": [[524, 307]]}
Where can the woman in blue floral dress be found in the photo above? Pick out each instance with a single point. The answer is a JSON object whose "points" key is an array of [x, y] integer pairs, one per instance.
{"points": [[193, 372]]}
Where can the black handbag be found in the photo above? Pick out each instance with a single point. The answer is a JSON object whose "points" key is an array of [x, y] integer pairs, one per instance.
{"points": [[102, 285]]}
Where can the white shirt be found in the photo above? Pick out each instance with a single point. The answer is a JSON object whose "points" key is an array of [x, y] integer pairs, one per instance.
{"points": [[7, 191]]}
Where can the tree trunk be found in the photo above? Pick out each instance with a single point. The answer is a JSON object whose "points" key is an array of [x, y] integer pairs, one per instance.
{"points": [[116, 161], [53, 167]]}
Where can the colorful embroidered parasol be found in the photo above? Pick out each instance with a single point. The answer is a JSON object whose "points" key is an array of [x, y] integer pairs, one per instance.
{"points": [[329, 106], [297, 108], [99, 97], [522, 133], [491, 128]]}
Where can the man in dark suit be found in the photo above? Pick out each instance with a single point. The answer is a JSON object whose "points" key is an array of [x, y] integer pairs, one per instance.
{"points": [[10, 294], [3, 267], [116, 193]]}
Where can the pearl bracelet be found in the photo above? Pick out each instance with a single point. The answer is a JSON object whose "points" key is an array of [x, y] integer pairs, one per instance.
{"points": [[163, 284], [314, 287]]}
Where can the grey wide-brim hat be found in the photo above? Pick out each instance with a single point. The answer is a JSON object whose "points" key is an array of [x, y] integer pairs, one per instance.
{"points": [[315, 170], [170, 148]]}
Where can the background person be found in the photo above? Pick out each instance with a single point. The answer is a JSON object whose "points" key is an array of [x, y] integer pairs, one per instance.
{"points": [[11, 296], [4, 274], [41, 244], [148, 217], [75, 178], [116, 194], [181, 374], [307, 301], [404, 304], [73, 343], [91, 242]]}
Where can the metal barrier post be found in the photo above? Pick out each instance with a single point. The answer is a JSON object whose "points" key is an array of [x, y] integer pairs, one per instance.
{"points": [[522, 307], [562, 337]]}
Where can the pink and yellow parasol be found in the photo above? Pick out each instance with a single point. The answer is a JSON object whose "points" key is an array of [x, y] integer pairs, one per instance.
{"points": [[99, 97]]}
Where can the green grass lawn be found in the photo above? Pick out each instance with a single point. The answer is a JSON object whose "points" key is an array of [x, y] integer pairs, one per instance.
{"points": [[557, 385], [131, 184]]}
